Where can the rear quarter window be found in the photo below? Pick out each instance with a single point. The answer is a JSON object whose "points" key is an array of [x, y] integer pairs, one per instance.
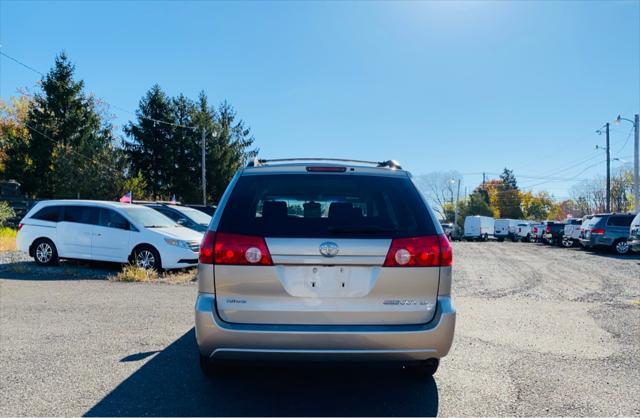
{"points": [[326, 205], [49, 213], [620, 221]]}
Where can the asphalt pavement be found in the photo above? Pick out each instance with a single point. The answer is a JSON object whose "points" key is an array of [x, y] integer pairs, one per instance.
{"points": [[541, 331]]}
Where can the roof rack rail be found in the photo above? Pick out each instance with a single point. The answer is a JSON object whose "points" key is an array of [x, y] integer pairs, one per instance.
{"points": [[388, 164]]}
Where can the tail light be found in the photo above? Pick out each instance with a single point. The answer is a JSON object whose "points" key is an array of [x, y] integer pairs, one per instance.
{"points": [[428, 251], [206, 248], [548, 229], [535, 229], [20, 226], [234, 249], [597, 231]]}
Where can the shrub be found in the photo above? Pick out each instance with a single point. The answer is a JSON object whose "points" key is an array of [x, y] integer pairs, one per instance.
{"points": [[6, 213], [131, 273]]}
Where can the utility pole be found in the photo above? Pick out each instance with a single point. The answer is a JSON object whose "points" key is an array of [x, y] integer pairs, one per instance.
{"points": [[636, 165], [608, 209], [483, 180], [455, 213], [204, 170]]}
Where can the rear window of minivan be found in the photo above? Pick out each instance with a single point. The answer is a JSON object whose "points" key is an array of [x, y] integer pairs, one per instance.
{"points": [[326, 205]]}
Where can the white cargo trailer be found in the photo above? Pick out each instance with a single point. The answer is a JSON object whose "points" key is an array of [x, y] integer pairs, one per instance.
{"points": [[478, 227]]}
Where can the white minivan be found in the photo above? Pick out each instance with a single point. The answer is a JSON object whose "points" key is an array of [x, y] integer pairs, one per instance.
{"points": [[106, 231], [478, 227]]}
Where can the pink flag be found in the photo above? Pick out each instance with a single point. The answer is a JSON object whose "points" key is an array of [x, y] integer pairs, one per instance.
{"points": [[126, 198]]}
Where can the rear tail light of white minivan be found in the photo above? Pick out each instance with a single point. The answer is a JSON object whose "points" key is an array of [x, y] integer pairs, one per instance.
{"points": [[427, 251], [234, 249]]}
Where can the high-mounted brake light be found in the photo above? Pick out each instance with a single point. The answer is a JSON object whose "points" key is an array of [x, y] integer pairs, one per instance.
{"points": [[325, 169], [234, 249], [427, 251]]}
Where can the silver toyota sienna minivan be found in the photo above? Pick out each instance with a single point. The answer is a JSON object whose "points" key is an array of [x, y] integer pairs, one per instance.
{"points": [[324, 260]]}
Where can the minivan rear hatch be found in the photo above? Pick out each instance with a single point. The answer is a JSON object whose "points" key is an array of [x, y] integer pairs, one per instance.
{"points": [[327, 249]]}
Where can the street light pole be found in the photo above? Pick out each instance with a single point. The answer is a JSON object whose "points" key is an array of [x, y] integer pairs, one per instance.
{"points": [[608, 172], [636, 165], [636, 159]]}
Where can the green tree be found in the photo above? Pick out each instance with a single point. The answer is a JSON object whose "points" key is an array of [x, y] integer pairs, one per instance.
{"points": [[508, 196], [229, 149], [14, 138], [137, 185], [70, 148], [150, 148]]}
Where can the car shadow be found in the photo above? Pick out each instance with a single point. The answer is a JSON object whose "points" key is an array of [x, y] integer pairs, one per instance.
{"points": [[66, 270], [171, 384]]}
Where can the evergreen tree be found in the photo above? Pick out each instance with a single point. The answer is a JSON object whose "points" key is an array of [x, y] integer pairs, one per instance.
{"points": [[70, 148], [150, 149], [186, 150], [508, 196], [229, 149]]}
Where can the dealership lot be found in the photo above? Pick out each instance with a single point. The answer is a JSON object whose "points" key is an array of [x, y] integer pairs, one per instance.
{"points": [[541, 331]]}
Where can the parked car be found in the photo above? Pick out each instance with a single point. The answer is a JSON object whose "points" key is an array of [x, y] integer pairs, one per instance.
{"points": [[537, 230], [570, 228], [523, 232], [324, 261], [208, 209], [578, 232], [553, 233], [634, 234], [506, 229], [447, 227], [608, 231], [478, 227], [183, 215], [106, 231]]}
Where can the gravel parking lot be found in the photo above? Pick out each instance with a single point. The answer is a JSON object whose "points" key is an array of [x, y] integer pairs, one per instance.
{"points": [[541, 331]]}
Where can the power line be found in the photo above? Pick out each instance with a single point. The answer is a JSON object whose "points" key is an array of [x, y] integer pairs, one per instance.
{"points": [[110, 104], [22, 63], [71, 149]]}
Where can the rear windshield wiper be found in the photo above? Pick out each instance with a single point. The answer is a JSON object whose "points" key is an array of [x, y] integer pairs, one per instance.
{"points": [[155, 226], [360, 230]]}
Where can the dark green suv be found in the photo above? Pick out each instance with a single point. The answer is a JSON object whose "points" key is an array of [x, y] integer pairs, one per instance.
{"points": [[608, 230]]}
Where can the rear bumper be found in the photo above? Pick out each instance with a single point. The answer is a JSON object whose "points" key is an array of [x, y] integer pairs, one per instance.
{"points": [[634, 243], [222, 340]]}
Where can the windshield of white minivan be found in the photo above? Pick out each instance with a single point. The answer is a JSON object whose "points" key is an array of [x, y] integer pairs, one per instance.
{"points": [[325, 205], [148, 217], [194, 214]]}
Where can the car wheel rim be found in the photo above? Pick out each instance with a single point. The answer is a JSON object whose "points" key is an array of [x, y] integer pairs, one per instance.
{"points": [[145, 259], [622, 247], [44, 252]]}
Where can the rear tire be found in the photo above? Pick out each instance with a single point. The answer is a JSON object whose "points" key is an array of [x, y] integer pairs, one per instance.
{"points": [[621, 247], [45, 252], [424, 368]]}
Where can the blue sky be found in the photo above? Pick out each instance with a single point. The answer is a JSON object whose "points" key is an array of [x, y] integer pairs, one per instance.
{"points": [[467, 86]]}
